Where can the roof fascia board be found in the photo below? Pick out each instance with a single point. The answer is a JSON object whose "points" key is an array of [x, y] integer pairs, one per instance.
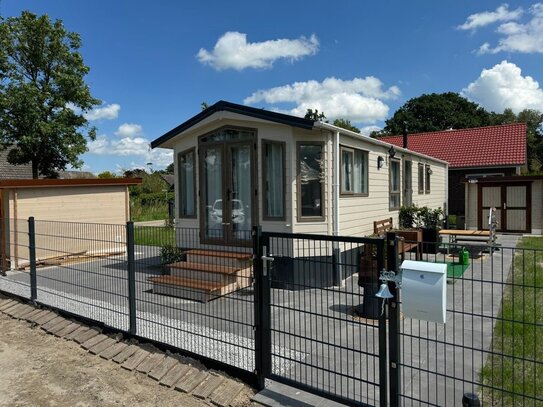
{"points": [[233, 108]]}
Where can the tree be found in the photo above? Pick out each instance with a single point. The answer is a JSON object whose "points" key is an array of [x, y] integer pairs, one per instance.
{"points": [[346, 124], [314, 115], [107, 175], [436, 112], [43, 96]]}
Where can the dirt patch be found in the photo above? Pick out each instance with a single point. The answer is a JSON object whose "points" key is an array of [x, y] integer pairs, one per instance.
{"points": [[38, 369]]}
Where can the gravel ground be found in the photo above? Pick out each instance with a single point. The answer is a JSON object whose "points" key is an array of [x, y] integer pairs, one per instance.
{"points": [[223, 346], [38, 369]]}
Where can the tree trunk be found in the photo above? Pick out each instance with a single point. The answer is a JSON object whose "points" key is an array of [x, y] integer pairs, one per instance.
{"points": [[34, 170]]}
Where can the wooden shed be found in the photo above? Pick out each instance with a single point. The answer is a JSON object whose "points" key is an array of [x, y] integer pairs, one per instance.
{"points": [[57, 204]]}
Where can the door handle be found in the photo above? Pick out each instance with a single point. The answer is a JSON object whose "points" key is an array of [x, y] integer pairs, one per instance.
{"points": [[226, 223], [504, 206]]}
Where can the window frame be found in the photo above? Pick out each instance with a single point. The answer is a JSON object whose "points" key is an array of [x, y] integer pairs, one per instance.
{"points": [[427, 178], [392, 192], [264, 143], [181, 201], [353, 152], [300, 217], [421, 177]]}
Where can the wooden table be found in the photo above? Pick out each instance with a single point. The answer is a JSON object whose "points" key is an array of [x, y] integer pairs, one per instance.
{"points": [[456, 235]]}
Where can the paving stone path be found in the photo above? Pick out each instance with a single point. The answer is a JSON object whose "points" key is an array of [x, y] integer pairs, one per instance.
{"points": [[167, 369]]}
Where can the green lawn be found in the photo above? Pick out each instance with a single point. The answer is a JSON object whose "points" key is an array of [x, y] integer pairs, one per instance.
{"points": [[515, 371], [154, 235]]}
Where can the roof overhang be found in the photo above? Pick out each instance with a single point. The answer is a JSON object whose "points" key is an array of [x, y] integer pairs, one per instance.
{"points": [[223, 106], [520, 179], [58, 183]]}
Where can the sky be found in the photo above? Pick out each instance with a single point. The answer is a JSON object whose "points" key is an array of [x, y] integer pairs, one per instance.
{"points": [[153, 63]]}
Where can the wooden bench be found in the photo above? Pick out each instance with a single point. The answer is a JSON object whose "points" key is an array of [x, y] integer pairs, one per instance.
{"points": [[411, 239], [458, 235]]}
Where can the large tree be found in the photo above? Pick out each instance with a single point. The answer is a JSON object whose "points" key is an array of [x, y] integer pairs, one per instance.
{"points": [[43, 95], [435, 112]]}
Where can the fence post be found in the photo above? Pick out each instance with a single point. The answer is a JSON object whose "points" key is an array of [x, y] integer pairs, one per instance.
{"points": [[261, 311], [131, 277], [393, 323], [383, 315], [32, 258]]}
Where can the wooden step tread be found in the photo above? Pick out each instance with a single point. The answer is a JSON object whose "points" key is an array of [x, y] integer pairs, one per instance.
{"points": [[210, 268], [208, 286], [217, 253]]}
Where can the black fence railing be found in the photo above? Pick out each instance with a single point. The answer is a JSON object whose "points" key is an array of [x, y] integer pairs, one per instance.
{"points": [[299, 309]]}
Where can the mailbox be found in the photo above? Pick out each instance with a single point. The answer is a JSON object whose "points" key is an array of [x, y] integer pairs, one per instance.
{"points": [[424, 290]]}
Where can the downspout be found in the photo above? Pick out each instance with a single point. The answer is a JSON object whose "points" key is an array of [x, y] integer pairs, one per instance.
{"points": [[335, 217]]}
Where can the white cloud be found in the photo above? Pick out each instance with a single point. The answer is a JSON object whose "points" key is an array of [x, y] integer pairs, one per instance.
{"points": [[129, 130], [503, 86], [517, 37], [358, 100], [232, 51], [131, 142], [107, 112], [485, 18]]}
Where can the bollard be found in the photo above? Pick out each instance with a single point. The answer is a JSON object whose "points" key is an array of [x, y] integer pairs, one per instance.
{"points": [[470, 400]]}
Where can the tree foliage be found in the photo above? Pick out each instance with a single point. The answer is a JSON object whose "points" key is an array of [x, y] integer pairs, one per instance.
{"points": [[314, 115], [43, 96], [346, 124], [436, 112]]}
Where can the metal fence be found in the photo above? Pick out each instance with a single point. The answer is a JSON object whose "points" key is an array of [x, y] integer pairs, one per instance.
{"points": [[299, 309]]}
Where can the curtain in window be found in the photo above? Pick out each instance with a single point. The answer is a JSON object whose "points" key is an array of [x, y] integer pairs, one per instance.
{"points": [[359, 172], [186, 185], [274, 174], [346, 178], [241, 188]]}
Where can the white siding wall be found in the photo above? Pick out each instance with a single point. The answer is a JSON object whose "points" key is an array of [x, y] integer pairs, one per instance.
{"points": [[356, 213]]}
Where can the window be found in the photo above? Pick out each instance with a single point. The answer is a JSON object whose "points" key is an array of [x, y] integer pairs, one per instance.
{"points": [[187, 184], [354, 172], [421, 178], [428, 172], [273, 179], [394, 185], [310, 181]]}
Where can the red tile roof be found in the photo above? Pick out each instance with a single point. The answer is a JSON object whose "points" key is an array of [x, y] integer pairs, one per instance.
{"points": [[503, 145]]}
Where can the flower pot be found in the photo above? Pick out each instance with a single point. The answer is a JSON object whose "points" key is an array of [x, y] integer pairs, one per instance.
{"points": [[430, 240]]}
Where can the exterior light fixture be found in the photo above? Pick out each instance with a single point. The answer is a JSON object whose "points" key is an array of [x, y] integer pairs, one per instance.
{"points": [[429, 171], [380, 162], [391, 151]]}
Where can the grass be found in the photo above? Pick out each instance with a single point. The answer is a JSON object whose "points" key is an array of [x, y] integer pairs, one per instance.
{"points": [[155, 211], [154, 235], [513, 373]]}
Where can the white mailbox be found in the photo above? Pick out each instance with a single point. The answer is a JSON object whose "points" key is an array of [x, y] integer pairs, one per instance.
{"points": [[424, 290]]}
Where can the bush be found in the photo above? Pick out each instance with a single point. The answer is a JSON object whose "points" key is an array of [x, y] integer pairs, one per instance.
{"points": [[171, 254], [431, 218], [415, 217], [408, 217]]}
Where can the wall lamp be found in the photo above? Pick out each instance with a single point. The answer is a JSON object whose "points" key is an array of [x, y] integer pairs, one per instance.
{"points": [[429, 171], [391, 151], [380, 162]]}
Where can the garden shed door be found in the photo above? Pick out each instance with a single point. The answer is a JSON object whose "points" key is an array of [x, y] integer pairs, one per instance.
{"points": [[512, 203]]}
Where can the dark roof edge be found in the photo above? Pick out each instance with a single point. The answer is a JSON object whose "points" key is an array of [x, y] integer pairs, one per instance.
{"points": [[225, 106]]}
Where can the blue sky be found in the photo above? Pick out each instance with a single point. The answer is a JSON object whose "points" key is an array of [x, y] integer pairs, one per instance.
{"points": [[153, 63]]}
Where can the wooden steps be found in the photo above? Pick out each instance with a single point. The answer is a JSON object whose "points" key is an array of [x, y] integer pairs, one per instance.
{"points": [[205, 275]]}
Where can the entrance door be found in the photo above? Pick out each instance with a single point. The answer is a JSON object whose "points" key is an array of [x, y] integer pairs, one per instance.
{"points": [[227, 186], [512, 203], [407, 183]]}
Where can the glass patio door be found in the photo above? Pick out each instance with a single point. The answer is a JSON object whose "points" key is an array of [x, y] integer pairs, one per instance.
{"points": [[227, 200]]}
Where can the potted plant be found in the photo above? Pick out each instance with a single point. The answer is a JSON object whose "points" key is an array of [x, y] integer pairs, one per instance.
{"points": [[431, 220]]}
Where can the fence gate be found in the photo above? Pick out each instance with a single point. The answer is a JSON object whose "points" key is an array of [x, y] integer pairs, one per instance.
{"points": [[319, 339]]}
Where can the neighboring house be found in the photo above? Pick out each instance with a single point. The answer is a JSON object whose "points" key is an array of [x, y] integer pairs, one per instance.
{"points": [[238, 166], [476, 156], [10, 171], [77, 214]]}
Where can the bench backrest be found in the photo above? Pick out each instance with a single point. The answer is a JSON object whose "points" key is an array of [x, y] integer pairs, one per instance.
{"points": [[380, 227]]}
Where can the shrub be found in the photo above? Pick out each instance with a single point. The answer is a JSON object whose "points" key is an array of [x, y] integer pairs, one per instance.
{"points": [[171, 254]]}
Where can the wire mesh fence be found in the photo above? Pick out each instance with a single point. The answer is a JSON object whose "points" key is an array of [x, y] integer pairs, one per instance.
{"points": [[300, 309]]}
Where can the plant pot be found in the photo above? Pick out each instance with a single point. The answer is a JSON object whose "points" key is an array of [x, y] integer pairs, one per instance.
{"points": [[430, 240]]}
